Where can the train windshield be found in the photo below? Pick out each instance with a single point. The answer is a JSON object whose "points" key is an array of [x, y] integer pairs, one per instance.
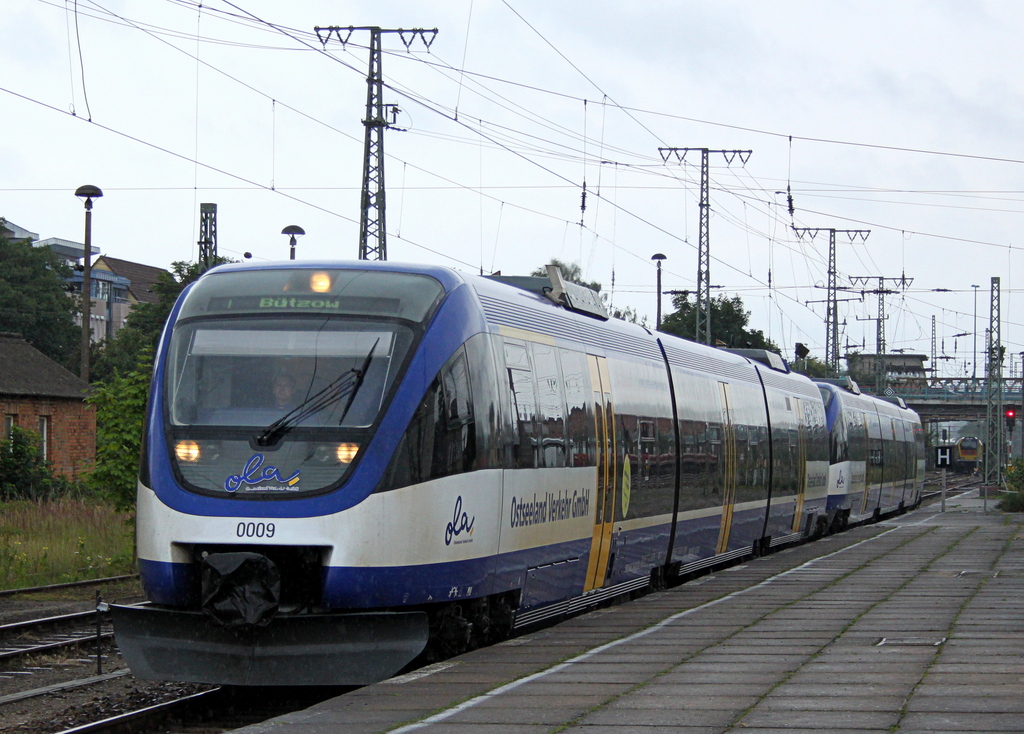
{"points": [[273, 390], [253, 372]]}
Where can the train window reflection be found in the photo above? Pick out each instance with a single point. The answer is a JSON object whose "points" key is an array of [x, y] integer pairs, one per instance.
{"points": [[224, 372], [578, 425], [550, 404], [458, 401]]}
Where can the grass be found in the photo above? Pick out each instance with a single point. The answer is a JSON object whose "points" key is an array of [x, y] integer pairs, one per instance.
{"points": [[62, 540]]}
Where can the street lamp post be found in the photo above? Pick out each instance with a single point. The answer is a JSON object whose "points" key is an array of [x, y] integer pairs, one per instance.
{"points": [[658, 257], [87, 193], [293, 230]]}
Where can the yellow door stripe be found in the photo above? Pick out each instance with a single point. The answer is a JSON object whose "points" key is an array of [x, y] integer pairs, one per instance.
{"points": [[728, 469], [604, 517]]}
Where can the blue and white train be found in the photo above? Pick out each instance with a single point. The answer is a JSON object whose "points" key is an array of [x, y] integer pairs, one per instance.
{"points": [[876, 454], [347, 462]]}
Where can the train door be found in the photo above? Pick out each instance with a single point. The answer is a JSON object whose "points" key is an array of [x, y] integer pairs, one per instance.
{"points": [[867, 465], [728, 477], [890, 462], [599, 565], [801, 462], [873, 428]]}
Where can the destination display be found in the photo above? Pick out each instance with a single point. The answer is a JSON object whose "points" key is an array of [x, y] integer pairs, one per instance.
{"points": [[277, 303]]}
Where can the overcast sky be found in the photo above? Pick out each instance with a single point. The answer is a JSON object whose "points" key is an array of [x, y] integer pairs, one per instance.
{"points": [[901, 118]]}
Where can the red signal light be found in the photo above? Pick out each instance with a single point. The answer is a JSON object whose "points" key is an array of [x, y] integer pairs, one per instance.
{"points": [[1010, 413]]}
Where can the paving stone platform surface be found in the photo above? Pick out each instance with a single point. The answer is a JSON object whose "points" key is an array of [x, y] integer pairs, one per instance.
{"points": [[913, 625]]}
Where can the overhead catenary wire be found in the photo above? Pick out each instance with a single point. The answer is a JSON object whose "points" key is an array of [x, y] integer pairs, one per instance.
{"points": [[742, 227]]}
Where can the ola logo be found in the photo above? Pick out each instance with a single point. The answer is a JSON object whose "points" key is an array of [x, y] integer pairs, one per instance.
{"points": [[627, 484]]}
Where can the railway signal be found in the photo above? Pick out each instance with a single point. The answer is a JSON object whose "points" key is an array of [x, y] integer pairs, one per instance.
{"points": [[1011, 419]]}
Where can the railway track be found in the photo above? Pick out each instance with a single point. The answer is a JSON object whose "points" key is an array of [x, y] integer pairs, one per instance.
{"points": [[20, 640], [68, 585], [140, 706], [212, 711]]}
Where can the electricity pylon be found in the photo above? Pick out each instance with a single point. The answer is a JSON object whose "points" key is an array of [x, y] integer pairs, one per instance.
{"points": [[207, 236], [702, 330], [372, 214], [832, 309]]}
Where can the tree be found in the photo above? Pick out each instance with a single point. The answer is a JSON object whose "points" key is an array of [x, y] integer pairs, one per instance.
{"points": [[120, 413], [728, 323], [810, 366], [34, 300]]}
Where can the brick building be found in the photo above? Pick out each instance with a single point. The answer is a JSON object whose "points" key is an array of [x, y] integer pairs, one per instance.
{"points": [[39, 395]]}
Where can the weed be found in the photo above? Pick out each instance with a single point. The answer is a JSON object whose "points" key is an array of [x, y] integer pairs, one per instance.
{"points": [[48, 542], [1012, 502]]}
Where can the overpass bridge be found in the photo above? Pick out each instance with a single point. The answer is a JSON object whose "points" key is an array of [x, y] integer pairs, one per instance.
{"points": [[952, 398]]}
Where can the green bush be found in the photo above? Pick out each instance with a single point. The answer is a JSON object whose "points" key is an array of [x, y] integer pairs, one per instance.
{"points": [[1015, 476], [1012, 502], [25, 475]]}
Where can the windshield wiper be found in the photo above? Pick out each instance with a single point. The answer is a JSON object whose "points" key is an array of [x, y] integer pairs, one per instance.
{"points": [[344, 386]]}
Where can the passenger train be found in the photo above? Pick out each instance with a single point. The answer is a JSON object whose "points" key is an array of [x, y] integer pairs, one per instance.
{"points": [[967, 454], [876, 454], [347, 463]]}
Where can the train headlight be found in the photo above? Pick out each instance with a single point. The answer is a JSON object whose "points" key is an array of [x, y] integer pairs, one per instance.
{"points": [[320, 282], [187, 451], [346, 452]]}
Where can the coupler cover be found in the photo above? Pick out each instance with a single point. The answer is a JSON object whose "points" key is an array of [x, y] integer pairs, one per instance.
{"points": [[301, 650]]}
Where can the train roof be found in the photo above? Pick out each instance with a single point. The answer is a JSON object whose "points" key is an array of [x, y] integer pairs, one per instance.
{"points": [[848, 393], [448, 278], [525, 304]]}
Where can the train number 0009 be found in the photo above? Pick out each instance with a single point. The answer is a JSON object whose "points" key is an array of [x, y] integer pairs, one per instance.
{"points": [[255, 530]]}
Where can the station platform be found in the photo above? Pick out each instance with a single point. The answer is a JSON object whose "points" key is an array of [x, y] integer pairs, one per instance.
{"points": [[915, 624]]}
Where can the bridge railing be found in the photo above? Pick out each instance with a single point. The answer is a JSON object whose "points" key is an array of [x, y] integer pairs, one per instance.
{"points": [[953, 389]]}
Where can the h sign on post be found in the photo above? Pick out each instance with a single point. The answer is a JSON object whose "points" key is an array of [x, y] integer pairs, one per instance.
{"points": [[943, 456]]}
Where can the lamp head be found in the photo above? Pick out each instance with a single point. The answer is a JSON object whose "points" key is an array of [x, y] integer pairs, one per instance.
{"points": [[293, 230], [88, 193]]}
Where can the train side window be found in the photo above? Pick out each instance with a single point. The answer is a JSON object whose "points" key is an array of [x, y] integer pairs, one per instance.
{"points": [[458, 401], [441, 437], [856, 435], [839, 441], [550, 405], [525, 446], [516, 356], [579, 425]]}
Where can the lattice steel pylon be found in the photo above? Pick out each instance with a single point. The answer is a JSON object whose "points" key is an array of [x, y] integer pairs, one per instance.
{"points": [[881, 369], [207, 236], [702, 327], [832, 310], [935, 369], [373, 199], [994, 427], [702, 331]]}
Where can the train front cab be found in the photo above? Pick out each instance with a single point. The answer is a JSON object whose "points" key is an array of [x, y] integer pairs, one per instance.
{"points": [[967, 453], [876, 455], [241, 499]]}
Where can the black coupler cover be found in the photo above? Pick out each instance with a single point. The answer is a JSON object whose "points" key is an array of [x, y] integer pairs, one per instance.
{"points": [[240, 590]]}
